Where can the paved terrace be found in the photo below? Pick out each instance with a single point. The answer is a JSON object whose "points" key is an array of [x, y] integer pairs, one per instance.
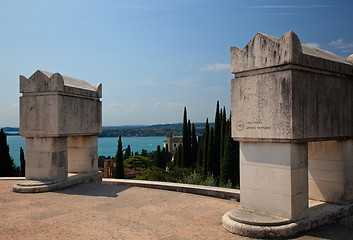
{"points": [[100, 211]]}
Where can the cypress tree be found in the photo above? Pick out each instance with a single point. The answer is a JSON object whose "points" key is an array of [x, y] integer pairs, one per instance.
{"points": [[157, 157], [23, 163], [179, 154], [127, 152], [119, 161], [194, 145], [164, 156], [223, 131], [205, 148], [211, 153], [186, 155], [7, 165], [217, 143], [200, 151], [230, 159], [188, 162]]}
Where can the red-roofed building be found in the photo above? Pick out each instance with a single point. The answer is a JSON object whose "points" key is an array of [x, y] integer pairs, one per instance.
{"points": [[172, 143]]}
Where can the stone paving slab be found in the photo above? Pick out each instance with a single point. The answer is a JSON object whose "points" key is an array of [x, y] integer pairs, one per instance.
{"points": [[101, 211]]}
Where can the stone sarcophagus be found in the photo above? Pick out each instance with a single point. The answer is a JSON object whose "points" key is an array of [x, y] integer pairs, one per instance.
{"points": [[61, 118], [284, 91], [292, 114]]}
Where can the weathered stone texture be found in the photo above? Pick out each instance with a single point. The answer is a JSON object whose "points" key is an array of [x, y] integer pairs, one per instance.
{"points": [[286, 99], [61, 118], [274, 173], [285, 92], [59, 107]]}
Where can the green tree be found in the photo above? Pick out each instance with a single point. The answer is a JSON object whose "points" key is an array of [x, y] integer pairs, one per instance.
{"points": [[178, 155], [186, 157], [200, 151], [158, 157], [194, 146], [211, 154], [205, 148], [23, 163], [223, 131], [7, 165], [138, 161], [127, 152], [144, 153], [217, 143], [164, 158], [230, 159], [119, 161]]}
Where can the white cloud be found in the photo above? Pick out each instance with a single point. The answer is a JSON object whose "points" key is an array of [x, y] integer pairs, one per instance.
{"points": [[133, 104], [12, 107], [313, 45], [344, 47], [213, 89], [216, 67], [174, 104], [156, 104], [113, 105], [146, 83], [141, 7], [187, 82], [292, 6]]}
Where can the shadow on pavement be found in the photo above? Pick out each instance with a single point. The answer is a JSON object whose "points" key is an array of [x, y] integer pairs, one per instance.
{"points": [[94, 190], [332, 231]]}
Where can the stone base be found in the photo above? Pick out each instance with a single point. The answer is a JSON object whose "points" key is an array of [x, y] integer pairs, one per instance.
{"points": [[38, 186], [255, 224]]}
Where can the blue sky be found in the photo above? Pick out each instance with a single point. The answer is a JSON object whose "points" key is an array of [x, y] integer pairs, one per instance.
{"points": [[153, 57]]}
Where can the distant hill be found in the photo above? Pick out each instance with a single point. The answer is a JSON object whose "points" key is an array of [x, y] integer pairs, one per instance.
{"points": [[158, 130], [11, 130]]}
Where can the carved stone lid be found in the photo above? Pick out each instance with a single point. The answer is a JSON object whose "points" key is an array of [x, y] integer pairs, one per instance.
{"points": [[43, 81], [265, 51]]}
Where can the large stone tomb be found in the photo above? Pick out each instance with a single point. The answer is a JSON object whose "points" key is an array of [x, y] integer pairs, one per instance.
{"points": [[60, 117], [292, 113]]}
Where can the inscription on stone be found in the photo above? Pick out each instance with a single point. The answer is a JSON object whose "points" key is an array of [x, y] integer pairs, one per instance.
{"points": [[251, 125], [240, 125]]}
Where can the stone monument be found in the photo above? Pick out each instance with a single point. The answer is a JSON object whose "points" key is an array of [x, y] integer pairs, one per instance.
{"points": [[292, 114], [60, 117]]}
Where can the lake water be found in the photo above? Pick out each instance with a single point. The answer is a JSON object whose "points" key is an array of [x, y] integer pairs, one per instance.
{"points": [[106, 146]]}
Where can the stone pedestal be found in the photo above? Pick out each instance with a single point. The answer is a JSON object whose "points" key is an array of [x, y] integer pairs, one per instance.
{"points": [[83, 154], [46, 158], [277, 174], [331, 171], [291, 108], [61, 118]]}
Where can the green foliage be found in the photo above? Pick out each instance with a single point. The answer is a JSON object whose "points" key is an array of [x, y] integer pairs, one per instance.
{"points": [[23, 163], [119, 172], [101, 160], [7, 165], [178, 155], [138, 161], [211, 153], [155, 174], [197, 179], [127, 152], [194, 146], [205, 148], [186, 159], [217, 143], [212, 159], [230, 160]]}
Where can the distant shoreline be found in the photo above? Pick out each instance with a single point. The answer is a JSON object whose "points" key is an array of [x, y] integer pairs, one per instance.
{"points": [[158, 130]]}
